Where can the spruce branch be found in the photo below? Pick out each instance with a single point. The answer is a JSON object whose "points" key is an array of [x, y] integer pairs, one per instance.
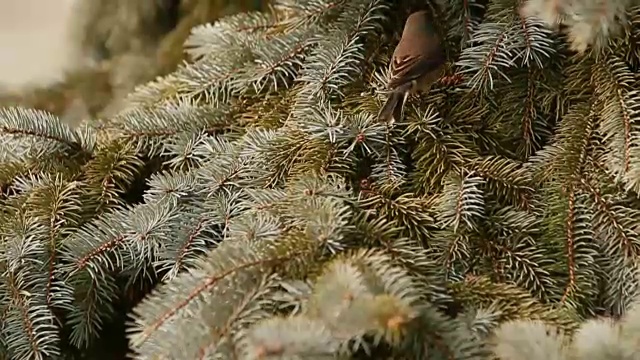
{"points": [[568, 229], [514, 341], [53, 204], [493, 53], [33, 141], [295, 337], [434, 334], [511, 302], [618, 112], [411, 212], [511, 247], [505, 178], [35, 124], [333, 65], [269, 252], [232, 262], [178, 186], [536, 42], [438, 151], [56, 203], [209, 77], [621, 280], [504, 39], [530, 100], [181, 150], [612, 226], [92, 306], [613, 220], [462, 203], [110, 172], [276, 62], [30, 327], [628, 42], [270, 112], [366, 136], [356, 295], [277, 218], [594, 339], [310, 12], [588, 22], [207, 80], [568, 151], [150, 127], [389, 173], [231, 32], [157, 92], [322, 77], [453, 252], [462, 19]]}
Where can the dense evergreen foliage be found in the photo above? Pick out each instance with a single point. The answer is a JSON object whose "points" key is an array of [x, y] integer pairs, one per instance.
{"points": [[249, 205]]}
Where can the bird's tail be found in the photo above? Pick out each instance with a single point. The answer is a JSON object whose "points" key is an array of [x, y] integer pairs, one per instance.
{"points": [[393, 107]]}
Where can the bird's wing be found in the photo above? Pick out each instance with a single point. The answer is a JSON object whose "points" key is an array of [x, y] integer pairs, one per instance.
{"points": [[407, 68]]}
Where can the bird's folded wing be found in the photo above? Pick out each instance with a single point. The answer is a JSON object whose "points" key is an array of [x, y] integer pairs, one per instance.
{"points": [[408, 68]]}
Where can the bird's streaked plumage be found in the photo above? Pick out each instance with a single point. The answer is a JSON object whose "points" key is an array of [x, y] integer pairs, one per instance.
{"points": [[418, 61]]}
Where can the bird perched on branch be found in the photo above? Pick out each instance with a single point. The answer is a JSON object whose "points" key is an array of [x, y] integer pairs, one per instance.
{"points": [[417, 62]]}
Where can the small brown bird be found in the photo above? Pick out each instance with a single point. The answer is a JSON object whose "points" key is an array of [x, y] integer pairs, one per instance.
{"points": [[417, 62]]}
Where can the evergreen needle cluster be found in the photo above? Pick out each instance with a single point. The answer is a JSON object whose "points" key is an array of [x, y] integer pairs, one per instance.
{"points": [[250, 206]]}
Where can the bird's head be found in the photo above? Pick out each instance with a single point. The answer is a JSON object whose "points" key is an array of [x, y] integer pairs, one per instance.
{"points": [[418, 21]]}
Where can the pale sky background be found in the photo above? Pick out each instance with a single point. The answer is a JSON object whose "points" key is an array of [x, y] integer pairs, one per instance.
{"points": [[35, 42]]}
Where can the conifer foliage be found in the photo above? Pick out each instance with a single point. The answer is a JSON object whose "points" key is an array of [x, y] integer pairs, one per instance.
{"points": [[250, 206]]}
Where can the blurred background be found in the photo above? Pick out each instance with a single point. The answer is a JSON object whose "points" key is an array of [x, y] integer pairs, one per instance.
{"points": [[35, 42], [77, 58]]}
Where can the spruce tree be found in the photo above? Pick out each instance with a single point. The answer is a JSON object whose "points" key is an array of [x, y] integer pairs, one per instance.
{"points": [[249, 205]]}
